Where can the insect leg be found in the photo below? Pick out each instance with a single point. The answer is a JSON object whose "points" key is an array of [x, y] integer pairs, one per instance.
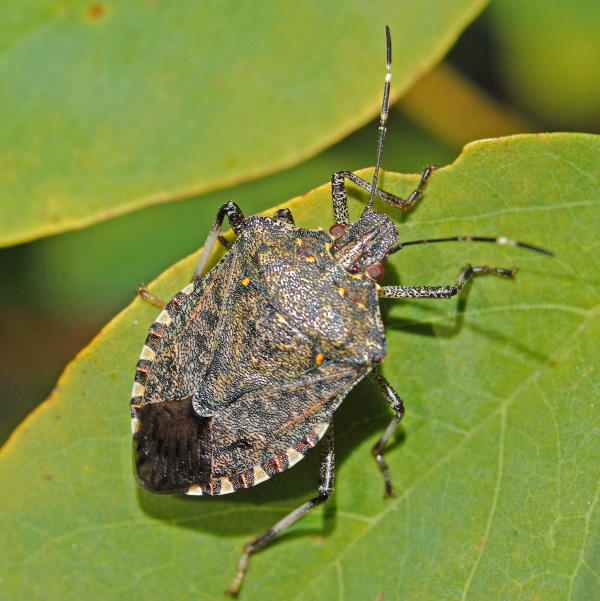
{"points": [[145, 294], [392, 397], [326, 477], [224, 242], [340, 199], [465, 274], [284, 215], [236, 219]]}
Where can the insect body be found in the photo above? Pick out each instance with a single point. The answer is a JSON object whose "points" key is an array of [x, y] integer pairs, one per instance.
{"points": [[244, 368]]}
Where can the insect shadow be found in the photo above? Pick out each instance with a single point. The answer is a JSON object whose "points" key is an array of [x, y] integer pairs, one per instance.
{"points": [[449, 321]]}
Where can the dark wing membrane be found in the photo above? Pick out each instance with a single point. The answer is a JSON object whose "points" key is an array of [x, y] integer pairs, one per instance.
{"points": [[173, 446]]}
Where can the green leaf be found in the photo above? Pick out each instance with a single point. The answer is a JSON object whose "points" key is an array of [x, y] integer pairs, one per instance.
{"points": [[496, 467], [110, 106]]}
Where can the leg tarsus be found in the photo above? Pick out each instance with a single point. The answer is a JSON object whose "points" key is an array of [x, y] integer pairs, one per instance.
{"points": [[145, 294], [326, 478], [377, 452], [418, 191]]}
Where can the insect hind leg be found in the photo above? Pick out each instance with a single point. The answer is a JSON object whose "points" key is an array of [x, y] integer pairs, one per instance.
{"points": [[392, 397], [326, 479], [340, 197]]}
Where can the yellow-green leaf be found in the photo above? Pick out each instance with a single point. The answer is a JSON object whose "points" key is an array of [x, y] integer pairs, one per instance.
{"points": [[496, 468], [108, 106]]}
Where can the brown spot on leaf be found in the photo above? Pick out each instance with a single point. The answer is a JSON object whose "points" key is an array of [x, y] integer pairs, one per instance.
{"points": [[96, 11]]}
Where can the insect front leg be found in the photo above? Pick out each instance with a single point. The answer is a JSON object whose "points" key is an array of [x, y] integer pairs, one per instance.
{"points": [[465, 274], [326, 477], [340, 198], [236, 220], [396, 403]]}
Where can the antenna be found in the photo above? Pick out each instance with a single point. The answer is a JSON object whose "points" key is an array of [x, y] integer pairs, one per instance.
{"points": [[499, 240], [384, 114]]}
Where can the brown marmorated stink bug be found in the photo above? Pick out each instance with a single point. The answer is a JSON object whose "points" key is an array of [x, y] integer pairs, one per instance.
{"points": [[244, 368]]}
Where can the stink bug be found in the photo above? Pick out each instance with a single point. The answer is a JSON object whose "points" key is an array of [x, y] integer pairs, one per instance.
{"points": [[244, 368]]}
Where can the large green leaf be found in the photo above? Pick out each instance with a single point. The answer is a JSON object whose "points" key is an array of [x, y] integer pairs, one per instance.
{"points": [[109, 106], [496, 468]]}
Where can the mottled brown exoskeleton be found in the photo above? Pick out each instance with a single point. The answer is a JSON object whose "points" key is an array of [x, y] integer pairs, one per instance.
{"points": [[244, 368]]}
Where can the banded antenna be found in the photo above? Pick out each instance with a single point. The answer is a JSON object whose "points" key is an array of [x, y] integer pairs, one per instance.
{"points": [[503, 240], [384, 115]]}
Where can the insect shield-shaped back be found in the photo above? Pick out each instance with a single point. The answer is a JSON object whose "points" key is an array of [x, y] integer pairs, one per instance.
{"points": [[243, 370]]}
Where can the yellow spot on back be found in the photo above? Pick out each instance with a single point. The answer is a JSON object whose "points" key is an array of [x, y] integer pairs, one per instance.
{"points": [[342, 291], [319, 358], [299, 241], [310, 259], [245, 281]]}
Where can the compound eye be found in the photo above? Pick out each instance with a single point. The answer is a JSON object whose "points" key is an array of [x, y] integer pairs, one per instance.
{"points": [[354, 269], [336, 229], [375, 271]]}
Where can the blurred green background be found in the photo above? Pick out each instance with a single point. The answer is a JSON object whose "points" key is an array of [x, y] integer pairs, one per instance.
{"points": [[520, 66]]}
